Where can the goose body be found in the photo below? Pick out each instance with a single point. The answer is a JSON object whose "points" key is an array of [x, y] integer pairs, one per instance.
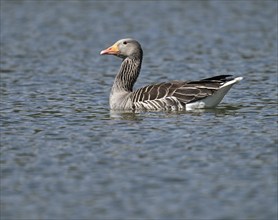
{"points": [[175, 95]]}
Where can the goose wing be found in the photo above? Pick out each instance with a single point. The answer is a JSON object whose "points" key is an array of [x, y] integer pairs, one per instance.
{"points": [[176, 94]]}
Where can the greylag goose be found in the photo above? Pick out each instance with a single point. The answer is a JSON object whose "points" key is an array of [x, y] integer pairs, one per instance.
{"points": [[175, 95]]}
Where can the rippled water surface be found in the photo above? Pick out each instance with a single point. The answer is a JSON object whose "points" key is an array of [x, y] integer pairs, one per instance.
{"points": [[65, 155]]}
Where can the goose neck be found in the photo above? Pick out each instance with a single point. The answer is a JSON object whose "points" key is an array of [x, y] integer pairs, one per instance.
{"points": [[127, 75]]}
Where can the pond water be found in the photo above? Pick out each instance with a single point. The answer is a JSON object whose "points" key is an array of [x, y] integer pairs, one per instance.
{"points": [[65, 155]]}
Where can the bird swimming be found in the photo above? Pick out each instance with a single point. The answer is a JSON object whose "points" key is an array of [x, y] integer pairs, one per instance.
{"points": [[174, 95]]}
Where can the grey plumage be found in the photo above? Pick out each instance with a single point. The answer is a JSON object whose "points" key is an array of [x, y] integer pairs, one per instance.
{"points": [[175, 95]]}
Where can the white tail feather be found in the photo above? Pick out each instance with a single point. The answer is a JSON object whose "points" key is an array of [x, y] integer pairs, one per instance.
{"points": [[214, 99], [235, 80]]}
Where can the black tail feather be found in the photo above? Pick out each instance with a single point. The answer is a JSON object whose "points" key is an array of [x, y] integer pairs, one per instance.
{"points": [[219, 77]]}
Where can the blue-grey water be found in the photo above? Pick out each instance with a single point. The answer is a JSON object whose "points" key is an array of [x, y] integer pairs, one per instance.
{"points": [[64, 155]]}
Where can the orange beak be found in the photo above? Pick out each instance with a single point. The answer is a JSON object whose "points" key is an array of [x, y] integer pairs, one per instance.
{"points": [[113, 50]]}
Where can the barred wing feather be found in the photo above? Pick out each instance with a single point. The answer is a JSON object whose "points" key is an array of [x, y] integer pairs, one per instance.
{"points": [[176, 94]]}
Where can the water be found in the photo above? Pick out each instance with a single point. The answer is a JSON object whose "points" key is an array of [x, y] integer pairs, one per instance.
{"points": [[64, 155]]}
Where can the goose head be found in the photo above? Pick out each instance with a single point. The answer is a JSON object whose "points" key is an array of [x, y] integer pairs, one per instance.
{"points": [[124, 48]]}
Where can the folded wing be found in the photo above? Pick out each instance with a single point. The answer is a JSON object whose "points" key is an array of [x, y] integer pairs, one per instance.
{"points": [[176, 94]]}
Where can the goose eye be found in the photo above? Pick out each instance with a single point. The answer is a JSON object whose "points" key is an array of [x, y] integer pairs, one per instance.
{"points": [[124, 42]]}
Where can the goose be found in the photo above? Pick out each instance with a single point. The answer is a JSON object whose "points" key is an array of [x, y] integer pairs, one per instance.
{"points": [[175, 95]]}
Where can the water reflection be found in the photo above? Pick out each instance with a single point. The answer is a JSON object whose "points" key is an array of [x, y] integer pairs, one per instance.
{"points": [[135, 115]]}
